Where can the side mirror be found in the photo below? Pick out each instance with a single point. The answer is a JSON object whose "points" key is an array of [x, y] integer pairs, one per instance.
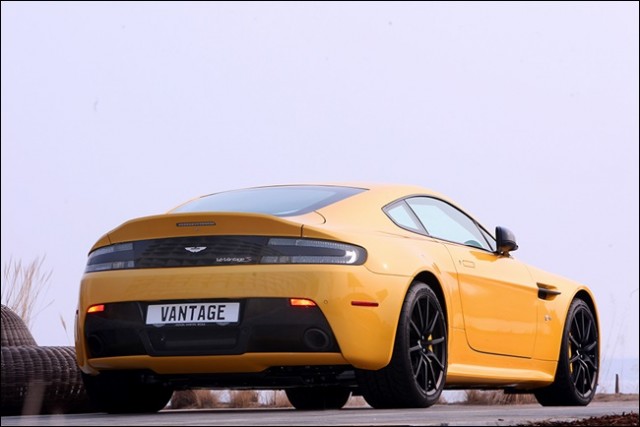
{"points": [[505, 241]]}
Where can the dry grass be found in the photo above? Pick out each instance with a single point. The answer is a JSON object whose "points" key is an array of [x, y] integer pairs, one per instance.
{"points": [[23, 285], [275, 399], [356, 402], [616, 397], [243, 399], [282, 401], [496, 397], [194, 399], [207, 399]]}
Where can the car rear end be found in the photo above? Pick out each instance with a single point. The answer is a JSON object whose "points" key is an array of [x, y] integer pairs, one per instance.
{"points": [[232, 300]]}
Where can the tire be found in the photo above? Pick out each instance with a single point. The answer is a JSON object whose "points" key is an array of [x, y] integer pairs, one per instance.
{"points": [[118, 393], [312, 398], [416, 374], [577, 373]]}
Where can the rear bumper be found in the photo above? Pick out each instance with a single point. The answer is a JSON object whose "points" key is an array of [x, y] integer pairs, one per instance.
{"points": [[265, 325], [277, 377], [272, 335]]}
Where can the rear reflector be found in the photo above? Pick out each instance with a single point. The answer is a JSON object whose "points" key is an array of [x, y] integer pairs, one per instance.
{"points": [[364, 303], [301, 302], [96, 308]]}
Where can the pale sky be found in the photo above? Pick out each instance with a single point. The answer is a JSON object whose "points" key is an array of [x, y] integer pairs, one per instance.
{"points": [[526, 114]]}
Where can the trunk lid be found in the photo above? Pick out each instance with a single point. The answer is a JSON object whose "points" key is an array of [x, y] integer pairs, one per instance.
{"points": [[204, 224]]}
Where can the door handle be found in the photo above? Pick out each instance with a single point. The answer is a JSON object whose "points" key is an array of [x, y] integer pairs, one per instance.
{"points": [[467, 263]]}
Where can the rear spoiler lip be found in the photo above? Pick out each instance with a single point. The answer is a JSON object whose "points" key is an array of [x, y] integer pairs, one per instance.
{"points": [[196, 224]]}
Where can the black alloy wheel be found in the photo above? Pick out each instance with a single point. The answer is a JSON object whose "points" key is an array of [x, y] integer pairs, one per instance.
{"points": [[416, 375], [577, 373]]}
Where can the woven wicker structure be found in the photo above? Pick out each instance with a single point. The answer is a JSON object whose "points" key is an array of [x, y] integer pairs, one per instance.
{"points": [[14, 331], [37, 379], [48, 376]]}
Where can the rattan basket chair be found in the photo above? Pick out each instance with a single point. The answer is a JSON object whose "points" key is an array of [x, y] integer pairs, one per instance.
{"points": [[14, 331], [37, 379]]}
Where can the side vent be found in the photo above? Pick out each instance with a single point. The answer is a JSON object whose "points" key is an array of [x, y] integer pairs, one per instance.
{"points": [[547, 292]]}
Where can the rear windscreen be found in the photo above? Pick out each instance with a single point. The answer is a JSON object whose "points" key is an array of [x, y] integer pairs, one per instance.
{"points": [[278, 201]]}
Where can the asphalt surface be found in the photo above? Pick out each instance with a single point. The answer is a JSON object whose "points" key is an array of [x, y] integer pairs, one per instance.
{"points": [[438, 415]]}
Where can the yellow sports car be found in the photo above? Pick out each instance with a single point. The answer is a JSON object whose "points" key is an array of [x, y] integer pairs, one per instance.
{"points": [[389, 292]]}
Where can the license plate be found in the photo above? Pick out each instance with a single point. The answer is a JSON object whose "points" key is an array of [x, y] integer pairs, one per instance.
{"points": [[214, 312]]}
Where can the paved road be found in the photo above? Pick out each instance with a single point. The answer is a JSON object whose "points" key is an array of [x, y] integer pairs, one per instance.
{"points": [[438, 415]]}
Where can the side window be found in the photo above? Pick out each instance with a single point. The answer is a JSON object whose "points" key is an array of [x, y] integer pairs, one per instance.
{"points": [[489, 238], [401, 214], [446, 222]]}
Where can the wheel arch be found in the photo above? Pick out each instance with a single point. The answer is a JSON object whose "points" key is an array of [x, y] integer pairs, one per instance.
{"points": [[432, 281], [419, 386], [564, 389], [589, 300], [586, 296]]}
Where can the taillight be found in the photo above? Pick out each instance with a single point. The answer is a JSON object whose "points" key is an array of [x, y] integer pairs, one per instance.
{"points": [[223, 250], [309, 251], [301, 302], [98, 308], [113, 257]]}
